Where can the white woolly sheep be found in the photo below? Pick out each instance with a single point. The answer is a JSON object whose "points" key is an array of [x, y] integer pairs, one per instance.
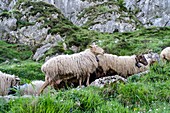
{"points": [[32, 88], [165, 54], [122, 65], [64, 67], [7, 81], [73, 82]]}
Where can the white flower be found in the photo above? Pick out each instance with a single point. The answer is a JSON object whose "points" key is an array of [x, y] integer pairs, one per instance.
{"points": [[150, 110]]}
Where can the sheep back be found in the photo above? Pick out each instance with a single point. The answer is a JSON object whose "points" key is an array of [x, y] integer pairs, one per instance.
{"points": [[121, 65], [64, 66], [165, 54]]}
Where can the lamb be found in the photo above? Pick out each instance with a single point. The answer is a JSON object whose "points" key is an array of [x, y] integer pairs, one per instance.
{"points": [[7, 81], [64, 67], [165, 54], [124, 66]]}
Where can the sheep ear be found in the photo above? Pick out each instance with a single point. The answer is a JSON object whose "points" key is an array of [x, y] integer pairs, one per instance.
{"points": [[91, 46], [17, 78], [138, 56]]}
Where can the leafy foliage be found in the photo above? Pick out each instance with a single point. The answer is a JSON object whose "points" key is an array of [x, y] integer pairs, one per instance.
{"points": [[13, 52]]}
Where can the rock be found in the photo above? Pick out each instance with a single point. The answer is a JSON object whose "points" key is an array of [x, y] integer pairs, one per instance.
{"points": [[8, 24], [74, 49], [7, 4], [147, 12], [101, 82], [154, 11], [40, 51]]}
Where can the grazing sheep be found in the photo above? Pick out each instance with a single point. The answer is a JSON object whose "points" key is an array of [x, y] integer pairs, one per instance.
{"points": [[64, 67], [165, 54], [6, 82], [32, 88], [107, 61], [150, 57], [122, 65]]}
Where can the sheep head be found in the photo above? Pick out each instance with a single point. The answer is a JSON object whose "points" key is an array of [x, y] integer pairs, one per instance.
{"points": [[13, 87], [15, 81], [96, 49], [141, 59]]}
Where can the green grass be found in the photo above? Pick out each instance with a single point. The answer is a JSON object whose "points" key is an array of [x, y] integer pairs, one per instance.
{"points": [[148, 93], [139, 96], [13, 51], [26, 70]]}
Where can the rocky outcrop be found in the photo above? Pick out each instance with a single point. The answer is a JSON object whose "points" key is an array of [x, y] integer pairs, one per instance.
{"points": [[150, 12], [138, 13], [116, 16], [7, 4], [101, 82], [26, 26]]}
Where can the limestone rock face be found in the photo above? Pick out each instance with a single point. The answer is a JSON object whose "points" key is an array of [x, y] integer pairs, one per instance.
{"points": [[27, 27], [136, 13], [151, 12]]}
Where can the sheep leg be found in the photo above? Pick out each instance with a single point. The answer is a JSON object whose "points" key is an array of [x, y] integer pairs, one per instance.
{"points": [[80, 80], [88, 77], [43, 87], [55, 84]]}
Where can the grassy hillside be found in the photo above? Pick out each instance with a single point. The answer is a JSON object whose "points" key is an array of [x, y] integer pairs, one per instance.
{"points": [[148, 93], [126, 43]]}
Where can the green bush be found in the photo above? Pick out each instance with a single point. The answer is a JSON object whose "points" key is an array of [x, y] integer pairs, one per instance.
{"points": [[13, 52], [26, 70]]}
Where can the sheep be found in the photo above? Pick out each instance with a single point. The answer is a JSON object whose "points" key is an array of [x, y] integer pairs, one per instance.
{"points": [[73, 82], [151, 59], [7, 81], [64, 67], [165, 54], [98, 74], [122, 65], [31, 88]]}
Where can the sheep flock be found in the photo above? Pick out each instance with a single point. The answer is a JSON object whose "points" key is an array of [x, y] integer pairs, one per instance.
{"points": [[82, 69]]}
